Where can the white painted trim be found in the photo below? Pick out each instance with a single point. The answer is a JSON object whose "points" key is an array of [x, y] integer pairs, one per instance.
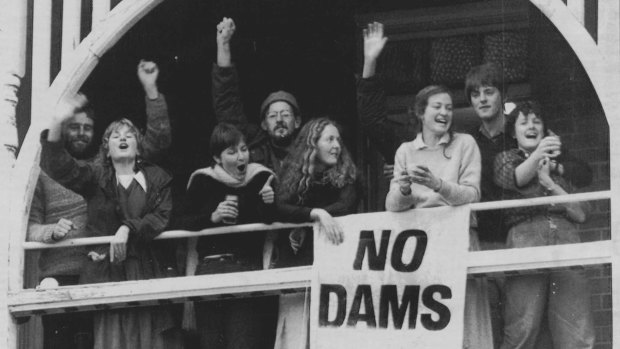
{"points": [[578, 9], [41, 56], [71, 28], [101, 8], [556, 256], [242, 228], [120, 293]]}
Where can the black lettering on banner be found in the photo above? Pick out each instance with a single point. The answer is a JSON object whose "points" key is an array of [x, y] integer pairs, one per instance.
{"points": [[389, 299], [418, 254], [439, 308], [363, 292], [367, 243], [341, 295]]}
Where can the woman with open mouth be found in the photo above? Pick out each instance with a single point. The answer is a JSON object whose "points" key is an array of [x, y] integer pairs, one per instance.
{"points": [[438, 168], [319, 182], [532, 170], [231, 191], [130, 199]]}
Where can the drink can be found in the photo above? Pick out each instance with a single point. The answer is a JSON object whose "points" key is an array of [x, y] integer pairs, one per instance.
{"points": [[235, 199]]}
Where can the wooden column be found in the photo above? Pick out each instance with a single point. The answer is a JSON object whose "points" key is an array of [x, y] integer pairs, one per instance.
{"points": [[71, 21], [13, 31], [609, 43], [101, 8], [578, 8], [41, 57]]}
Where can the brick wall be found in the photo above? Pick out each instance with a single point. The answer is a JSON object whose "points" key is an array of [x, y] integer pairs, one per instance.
{"points": [[573, 111]]}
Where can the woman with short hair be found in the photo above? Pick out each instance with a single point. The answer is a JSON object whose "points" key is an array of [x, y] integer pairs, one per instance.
{"points": [[130, 199]]}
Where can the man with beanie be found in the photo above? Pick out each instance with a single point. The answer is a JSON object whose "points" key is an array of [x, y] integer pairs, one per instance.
{"points": [[279, 111], [58, 213]]}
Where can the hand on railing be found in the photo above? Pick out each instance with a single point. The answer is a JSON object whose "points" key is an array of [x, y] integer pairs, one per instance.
{"points": [[118, 246], [328, 225]]}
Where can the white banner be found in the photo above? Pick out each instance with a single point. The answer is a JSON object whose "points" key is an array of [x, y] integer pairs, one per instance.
{"points": [[397, 281]]}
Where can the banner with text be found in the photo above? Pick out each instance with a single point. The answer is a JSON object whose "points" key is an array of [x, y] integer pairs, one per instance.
{"points": [[397, 281]]}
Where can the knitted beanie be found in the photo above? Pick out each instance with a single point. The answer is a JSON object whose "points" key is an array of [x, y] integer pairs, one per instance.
{"points": [[278, 96]]}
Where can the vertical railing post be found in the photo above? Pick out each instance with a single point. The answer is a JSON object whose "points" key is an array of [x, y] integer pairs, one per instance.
{"points": [[609, 44], [13, 30]]}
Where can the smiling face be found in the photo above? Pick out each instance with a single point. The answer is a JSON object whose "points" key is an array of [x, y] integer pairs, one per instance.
{"points": [[234, 160], [78, 134], [487, 102], [529, 131], [123, 144], [437, 117], [328, 147], [280, 121]]}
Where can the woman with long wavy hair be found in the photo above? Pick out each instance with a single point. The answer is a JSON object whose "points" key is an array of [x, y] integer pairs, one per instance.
{"points": [[318, 182]]}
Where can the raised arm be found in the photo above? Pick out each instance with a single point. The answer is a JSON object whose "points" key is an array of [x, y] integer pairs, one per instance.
{"points": [[158, 135], [371, 98], [374, 42], [55, 160], [225, 83]]}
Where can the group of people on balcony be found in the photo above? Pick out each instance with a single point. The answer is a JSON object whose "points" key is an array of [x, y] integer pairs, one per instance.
{"points": [[282, 170]]}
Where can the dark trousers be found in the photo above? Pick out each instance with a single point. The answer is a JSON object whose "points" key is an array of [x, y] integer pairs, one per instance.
{"points": [[68, 330], [245, 323]]}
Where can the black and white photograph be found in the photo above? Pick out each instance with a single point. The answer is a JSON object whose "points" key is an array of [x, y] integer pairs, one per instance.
{"points": [[309, 174]]}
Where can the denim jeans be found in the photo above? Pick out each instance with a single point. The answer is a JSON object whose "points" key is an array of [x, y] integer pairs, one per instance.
{"points": [[564, 295]]}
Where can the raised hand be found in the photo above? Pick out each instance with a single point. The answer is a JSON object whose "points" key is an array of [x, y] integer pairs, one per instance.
{"points": [[374, 40], [63, 111], [225, 31], [267, 193], [148, 72]]}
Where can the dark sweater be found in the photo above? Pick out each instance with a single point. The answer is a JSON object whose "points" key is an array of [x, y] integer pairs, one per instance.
{"points": [[336, 201], [205, 193]]}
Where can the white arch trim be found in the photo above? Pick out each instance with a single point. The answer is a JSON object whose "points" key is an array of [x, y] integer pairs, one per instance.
{"points": [[602, 70], [25, 173], [602, 64]]}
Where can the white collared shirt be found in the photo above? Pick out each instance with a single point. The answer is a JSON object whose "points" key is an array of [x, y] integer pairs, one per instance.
{"points": [[125, 180]]}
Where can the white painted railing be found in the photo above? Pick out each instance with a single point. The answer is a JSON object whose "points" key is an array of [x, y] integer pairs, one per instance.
{"points": [[263, 282]]}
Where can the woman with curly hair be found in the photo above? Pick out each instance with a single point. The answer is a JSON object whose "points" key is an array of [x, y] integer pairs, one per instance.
{"points": [[318, 182], [129, 199]]}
